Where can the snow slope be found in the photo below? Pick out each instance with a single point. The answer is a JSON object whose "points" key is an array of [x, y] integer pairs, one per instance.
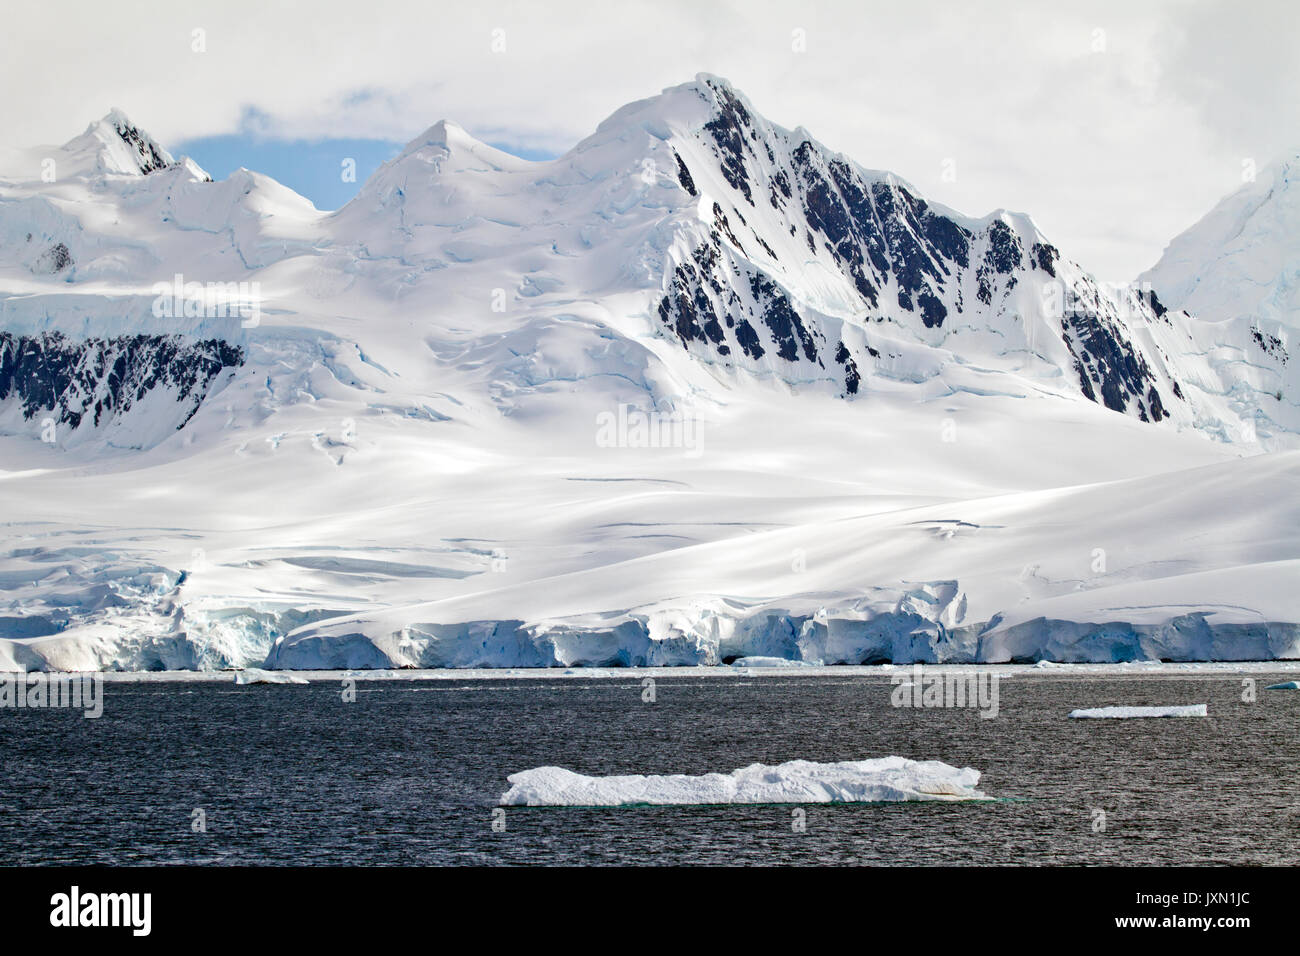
{"points": [[1237, 272], [1241, 259], [697, 390]]}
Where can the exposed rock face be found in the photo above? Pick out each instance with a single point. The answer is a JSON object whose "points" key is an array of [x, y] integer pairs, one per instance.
{"points": [[147, 154], [90, 382], [53, 260]]}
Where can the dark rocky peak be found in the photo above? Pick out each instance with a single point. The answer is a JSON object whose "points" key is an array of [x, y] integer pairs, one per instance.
{"points": [[148, 156]]}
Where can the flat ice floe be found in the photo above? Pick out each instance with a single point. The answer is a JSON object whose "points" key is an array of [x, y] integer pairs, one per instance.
{"points": [[1189, 710], [796, 781]]}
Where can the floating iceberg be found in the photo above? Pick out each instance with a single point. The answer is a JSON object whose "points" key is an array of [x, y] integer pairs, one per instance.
{"points": [[252, 675], [1189, 710], [796, 781], [1285, 685]]}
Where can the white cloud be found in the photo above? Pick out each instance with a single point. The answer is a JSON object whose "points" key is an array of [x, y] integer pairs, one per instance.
{"points": [[1112, 150]]}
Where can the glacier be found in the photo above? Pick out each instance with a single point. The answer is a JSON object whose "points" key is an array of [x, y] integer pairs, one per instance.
{"points": [[914, 435]]}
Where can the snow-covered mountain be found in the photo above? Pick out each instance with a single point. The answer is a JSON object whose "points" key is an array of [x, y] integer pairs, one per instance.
{"points": [[1241, 259], [765, 255], [698, 389], [1237, 271]]}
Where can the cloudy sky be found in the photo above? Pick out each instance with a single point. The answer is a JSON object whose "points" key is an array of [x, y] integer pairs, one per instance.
{"points": [[1115, 124]]}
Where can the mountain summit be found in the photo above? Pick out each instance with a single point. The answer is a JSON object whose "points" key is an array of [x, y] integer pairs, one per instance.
{"points": [[1241, 259], [115, 145]]}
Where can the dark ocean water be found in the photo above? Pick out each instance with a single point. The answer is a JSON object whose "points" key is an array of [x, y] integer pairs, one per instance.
{"points": [[410, 773]]}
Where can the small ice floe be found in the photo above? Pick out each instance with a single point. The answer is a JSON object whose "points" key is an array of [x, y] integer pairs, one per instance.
{"points": [[1285, 685], [770, 662], [797, 781], [252, 675], [1188, 710]]}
